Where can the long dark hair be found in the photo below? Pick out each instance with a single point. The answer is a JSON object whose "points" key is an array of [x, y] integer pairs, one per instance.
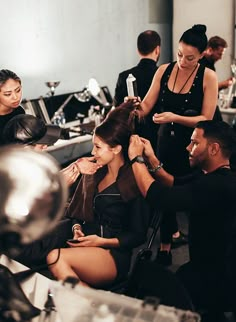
{"points": [[118, 126]]}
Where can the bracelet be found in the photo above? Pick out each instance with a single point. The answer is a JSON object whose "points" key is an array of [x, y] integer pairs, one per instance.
{"points": [[159, 167], [76, 225]]}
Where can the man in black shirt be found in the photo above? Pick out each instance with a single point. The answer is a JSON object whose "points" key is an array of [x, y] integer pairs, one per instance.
{"points": [[215, 50], [209, 197], [148, 46]]}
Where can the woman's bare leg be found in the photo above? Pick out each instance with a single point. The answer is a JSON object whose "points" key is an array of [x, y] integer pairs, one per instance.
{"points": [[92, 265]]}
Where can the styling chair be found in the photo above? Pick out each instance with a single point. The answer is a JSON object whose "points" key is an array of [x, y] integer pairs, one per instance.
{"points": [[148, 279]]}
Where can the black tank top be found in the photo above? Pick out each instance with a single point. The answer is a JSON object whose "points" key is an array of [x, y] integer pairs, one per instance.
{"points": [[187, 104]]}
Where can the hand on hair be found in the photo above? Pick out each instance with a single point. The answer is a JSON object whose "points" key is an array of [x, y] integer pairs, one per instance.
{"points": [[70, 173], [87, 165], [148, 150], [135, 99], [136, 146]]}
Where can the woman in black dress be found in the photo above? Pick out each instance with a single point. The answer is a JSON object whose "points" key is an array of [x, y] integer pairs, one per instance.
{"points": [[185, 93], [111, 217]]}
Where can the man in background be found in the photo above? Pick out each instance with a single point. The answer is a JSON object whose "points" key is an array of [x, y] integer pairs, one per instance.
{"points": [[216, 48], [148, 46]]}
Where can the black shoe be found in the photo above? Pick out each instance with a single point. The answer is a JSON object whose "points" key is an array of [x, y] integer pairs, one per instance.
{"points": [[179, 241], [164, 257]]}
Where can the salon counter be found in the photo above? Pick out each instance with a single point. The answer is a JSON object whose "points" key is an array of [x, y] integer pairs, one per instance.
{"points": [[68, 150]]}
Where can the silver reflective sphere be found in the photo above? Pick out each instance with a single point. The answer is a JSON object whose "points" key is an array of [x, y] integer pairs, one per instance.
{"points": [[32, 195]]}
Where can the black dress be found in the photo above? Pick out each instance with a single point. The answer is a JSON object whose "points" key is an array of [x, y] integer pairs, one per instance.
{"points": [[174, 138]]}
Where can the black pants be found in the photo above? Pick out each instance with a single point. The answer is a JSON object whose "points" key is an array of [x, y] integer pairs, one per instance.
{"points": [[175, 158], [208, 292]]}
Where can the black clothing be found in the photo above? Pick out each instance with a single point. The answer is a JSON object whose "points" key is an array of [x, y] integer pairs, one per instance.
{"points": [[207, 63], [119, 211], [211, 64], [174, 138], [210, 200], [5, 118], [143, 73], [115, 214]]}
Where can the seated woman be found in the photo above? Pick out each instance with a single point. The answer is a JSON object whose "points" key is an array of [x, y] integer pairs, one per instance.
{"points": [[113, 216]]}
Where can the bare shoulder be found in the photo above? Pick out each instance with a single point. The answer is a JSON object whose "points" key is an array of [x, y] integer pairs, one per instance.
{"points": [[210, 74], [160, 71], [162, 68]]}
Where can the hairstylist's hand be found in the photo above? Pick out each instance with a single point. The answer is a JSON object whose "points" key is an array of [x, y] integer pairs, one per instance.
{"points": [[165, 117], [136, 146], [70, 173], [148, 150], [135, 99], [87, 165]]}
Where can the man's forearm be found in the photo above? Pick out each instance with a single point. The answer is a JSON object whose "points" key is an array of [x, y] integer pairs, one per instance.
{"points": [[160, 174], [142, 177]]}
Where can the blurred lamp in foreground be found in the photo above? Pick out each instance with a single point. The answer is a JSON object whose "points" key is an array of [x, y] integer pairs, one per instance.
{"points": [[32, 199]]}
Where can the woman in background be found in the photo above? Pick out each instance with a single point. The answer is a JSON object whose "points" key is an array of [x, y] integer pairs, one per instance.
{"points": [[10, 98], [111, 215]]}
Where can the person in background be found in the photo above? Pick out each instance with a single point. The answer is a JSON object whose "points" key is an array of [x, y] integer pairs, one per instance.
{"points": [[110, 215], [10, 98], [26, 129], [214, 52], [216, 48], [148, 46], [209, 197], [185, 93]]}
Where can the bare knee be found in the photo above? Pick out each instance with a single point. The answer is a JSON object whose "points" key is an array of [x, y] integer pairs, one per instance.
{"points": [[53, 256]]}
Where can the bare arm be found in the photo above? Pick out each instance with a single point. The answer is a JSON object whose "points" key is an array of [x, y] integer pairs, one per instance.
{"points": [[138, 146], [81, 166], [153, 93], [226, 83]]}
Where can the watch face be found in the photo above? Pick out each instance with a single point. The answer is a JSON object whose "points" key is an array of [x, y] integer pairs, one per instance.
{"points": [[138, 159]]}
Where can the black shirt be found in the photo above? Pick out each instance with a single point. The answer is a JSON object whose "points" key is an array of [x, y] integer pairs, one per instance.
{"points": [[210, 200], [143, 73]]}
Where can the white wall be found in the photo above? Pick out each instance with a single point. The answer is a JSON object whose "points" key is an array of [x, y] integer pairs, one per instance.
{"points": [[217, 15], [72, 41]]}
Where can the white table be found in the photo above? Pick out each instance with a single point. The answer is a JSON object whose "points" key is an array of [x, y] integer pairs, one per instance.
{"points": [[67, 150]]}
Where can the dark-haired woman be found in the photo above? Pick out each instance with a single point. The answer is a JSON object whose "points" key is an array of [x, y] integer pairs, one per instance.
{"points": [[113, 215], [10, 98], [185, 92]]}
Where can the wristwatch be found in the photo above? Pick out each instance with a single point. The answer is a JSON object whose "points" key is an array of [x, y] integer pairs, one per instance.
{"points": [[138, 159]]}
